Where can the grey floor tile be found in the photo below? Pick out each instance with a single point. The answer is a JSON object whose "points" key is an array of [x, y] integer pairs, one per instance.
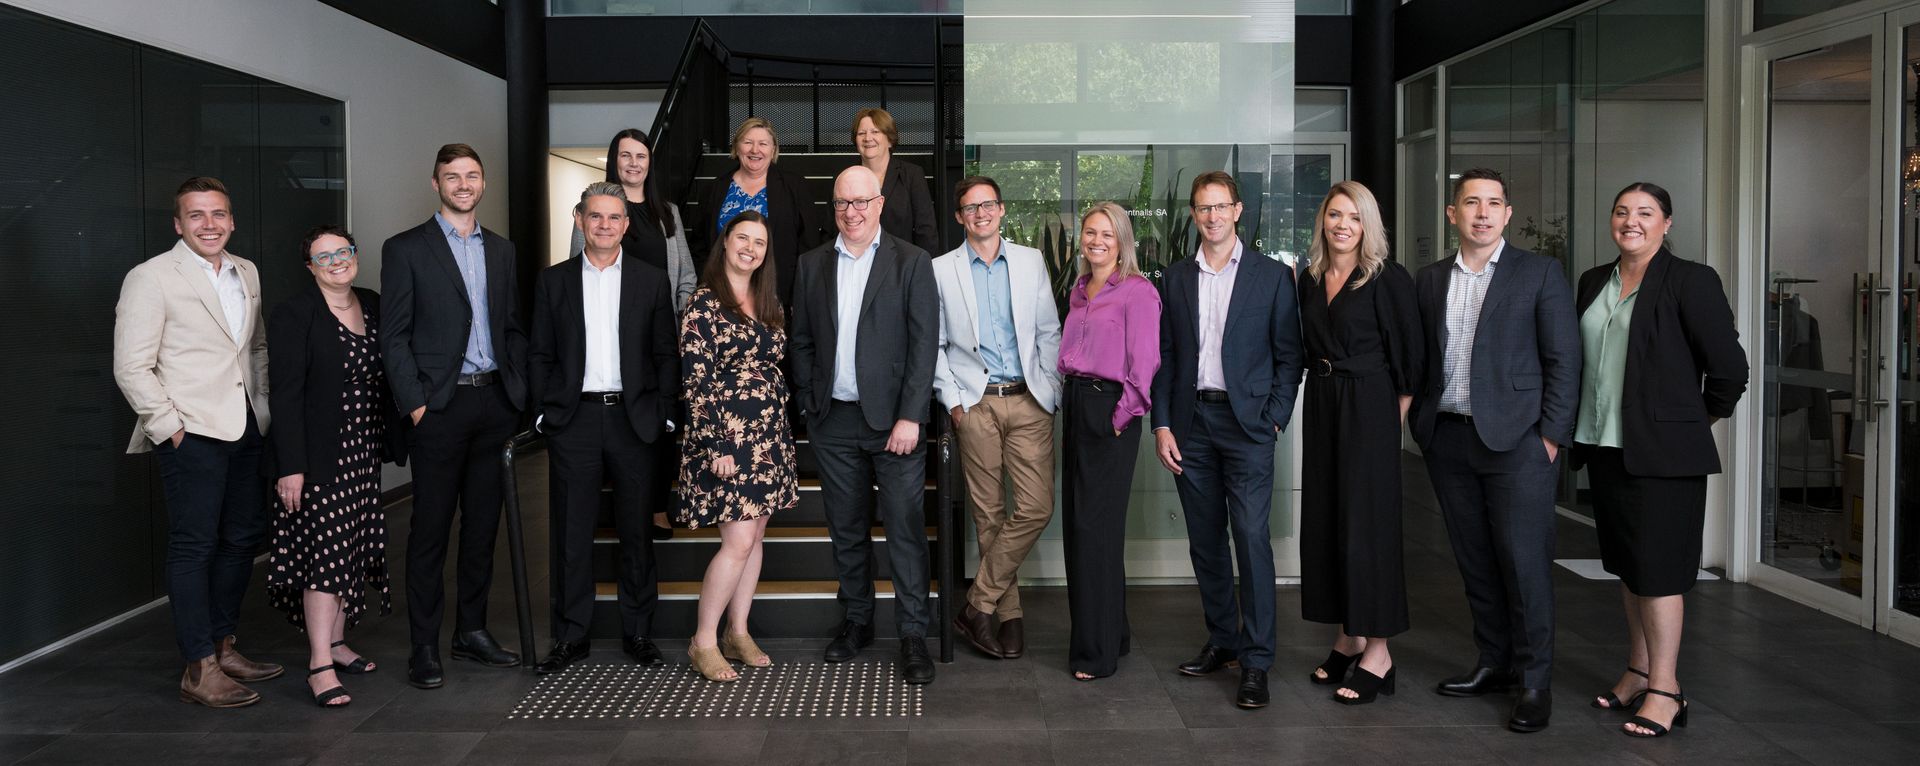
{"points": [[1163, 747], [118, 748], [978, 746], [55, 713], [1859, 742], [1132, 698], [14, 747], [1412, 744], [585, 748], [686, 748], [1263, 747], [413, 748], [831, 748]]}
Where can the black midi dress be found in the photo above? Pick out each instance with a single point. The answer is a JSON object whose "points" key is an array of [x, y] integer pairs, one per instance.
{"points": [[1364, 351]]}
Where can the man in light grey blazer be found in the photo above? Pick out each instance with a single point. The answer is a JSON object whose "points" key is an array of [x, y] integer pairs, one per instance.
{"points": [[998, 374], [190, 355]]}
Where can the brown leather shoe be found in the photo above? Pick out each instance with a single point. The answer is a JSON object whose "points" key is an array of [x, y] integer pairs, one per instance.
{"points": [[977, 629], [239, 668], [206, 684], [1013, 639]]}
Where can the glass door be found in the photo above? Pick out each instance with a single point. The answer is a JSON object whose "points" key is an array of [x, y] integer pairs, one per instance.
{"points": [[1898, 607]]}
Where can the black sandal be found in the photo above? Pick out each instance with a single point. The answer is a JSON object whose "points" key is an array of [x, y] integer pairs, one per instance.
{"points": [[1679, 719], [1367, 685], [358, 666], [326, 698], [1608, 701], [1335, 667]]}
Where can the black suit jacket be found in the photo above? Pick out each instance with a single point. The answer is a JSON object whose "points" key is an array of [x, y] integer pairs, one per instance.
{"points": [[649, 348], [1525, 358], [423, 336], [898, 333], [908, 211], [1684, 367], [306, 366], [793, 217], [1260, 350]]}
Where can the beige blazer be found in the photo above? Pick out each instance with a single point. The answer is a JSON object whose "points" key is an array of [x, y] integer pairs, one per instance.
{"points": [[174, 359]]}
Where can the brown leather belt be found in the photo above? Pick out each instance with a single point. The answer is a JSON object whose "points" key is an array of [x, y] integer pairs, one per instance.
{"points": [[1015, 388]]}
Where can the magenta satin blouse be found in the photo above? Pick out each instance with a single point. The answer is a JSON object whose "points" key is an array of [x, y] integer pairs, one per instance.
{"points": [[1115, 336]]}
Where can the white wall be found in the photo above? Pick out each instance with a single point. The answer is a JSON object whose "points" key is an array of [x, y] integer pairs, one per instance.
{"points": [[565, 180], [403, 100]]}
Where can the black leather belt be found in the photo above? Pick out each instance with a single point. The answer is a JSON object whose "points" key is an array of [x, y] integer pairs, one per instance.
{"points": [[1358, 366], [1097, 384], [608, 398], [1211, 396], [1454, 417], [487, 378], [1015, 388]]}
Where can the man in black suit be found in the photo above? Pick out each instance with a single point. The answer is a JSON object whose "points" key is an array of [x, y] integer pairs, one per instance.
{"points": [[1503, 384], [865, 333], [1230, 365], [605, 373], [454, 350]]}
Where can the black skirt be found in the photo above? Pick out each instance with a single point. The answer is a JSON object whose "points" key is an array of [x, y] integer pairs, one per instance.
{"points": [[1650, 527]]}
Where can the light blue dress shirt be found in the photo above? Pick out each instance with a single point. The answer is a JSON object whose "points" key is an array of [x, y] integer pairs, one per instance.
{"points": [[993, 294], [850, 285], [470, 253]]}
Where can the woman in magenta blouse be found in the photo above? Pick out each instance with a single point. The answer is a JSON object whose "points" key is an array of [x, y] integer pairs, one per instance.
{"points": [[1109, 351]]}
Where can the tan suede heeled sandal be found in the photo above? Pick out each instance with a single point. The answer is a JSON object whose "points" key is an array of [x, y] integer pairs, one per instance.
{"points": [[708, 661], [741, 648]]}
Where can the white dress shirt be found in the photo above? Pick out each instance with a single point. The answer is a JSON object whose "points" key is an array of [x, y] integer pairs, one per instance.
{"points": [[850, 283], [1466, 293], [1216, 292], [600, 302], [233, 295]]}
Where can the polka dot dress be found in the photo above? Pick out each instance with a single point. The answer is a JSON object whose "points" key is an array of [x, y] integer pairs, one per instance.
{"points": [[337, 542]]}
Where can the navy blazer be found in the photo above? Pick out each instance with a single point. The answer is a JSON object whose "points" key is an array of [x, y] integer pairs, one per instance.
{"points": [[1526, 352], [899, 333], [423, 336], [1684, 364], [306, 369], [1260, 350], [649, 346]]}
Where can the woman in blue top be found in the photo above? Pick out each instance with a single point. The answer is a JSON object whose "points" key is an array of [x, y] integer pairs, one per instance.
{"points": [[755, 184]]}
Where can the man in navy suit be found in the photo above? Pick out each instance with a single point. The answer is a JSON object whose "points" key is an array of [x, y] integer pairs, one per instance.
{"points": [[1503, 386], [1230, 365]]}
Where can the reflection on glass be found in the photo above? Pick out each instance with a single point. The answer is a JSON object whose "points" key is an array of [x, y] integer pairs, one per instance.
{"points": [[1818, 325], [1906, 514], [1768, 13]]}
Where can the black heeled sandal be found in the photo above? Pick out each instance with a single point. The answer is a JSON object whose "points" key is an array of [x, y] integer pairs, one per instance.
{"points": [[1366, 685], [359, 665], [1679, 719], [1336, 667], [326, 698], [1608, 701]]}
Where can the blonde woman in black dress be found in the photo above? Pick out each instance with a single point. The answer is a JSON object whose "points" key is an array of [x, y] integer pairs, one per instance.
{"points": [[737, 460], [333, 425]]}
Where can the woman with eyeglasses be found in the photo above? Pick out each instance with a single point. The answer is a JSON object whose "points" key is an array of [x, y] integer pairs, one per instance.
{"points": [[909, 210], [754, 183], [333, 425]]}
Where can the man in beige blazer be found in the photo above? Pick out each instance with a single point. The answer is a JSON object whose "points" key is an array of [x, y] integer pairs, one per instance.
{"points": [[190, 355]]}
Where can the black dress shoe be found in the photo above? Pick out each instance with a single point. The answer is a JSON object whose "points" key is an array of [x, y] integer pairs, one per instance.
{"points": [[564, 653], [479, 646], [846, 646], [423, 667], [1477, 682], [1253, 689], [1531, 710], [642, 651], [1211, 658], [916, 666], [978, 629], [1013, 639]]}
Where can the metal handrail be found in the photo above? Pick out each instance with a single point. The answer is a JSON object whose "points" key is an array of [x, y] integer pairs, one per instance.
{"points": [[517, 541]]}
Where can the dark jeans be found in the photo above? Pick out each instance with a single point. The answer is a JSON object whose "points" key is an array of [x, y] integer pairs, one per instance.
{"points": [[456, 467], [598, 444], [1226, 483], [216, 522], [853, 460]]}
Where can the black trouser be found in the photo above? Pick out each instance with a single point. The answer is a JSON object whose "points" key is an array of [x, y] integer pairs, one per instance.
{"points": [[456, 465], [216, 522], [853, 460], [1498, 507], [1098, 467], [596, 445], [1226, 482]]}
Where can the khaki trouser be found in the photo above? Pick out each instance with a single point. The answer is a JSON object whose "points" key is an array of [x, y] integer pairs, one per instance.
{"points": [[1009, 434]]}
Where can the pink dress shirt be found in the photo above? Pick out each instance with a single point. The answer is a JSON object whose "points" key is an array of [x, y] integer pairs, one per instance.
{"points": [[1115, 336]]}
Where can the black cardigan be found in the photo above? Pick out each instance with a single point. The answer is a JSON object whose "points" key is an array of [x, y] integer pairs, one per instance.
{"points": [[1684, 367], [793, 218], [908, 210], [305, 360]]}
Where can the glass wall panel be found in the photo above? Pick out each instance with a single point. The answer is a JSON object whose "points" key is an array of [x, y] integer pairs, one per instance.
{"points": [[1906, 514], [748, 7], [1767, 13]]}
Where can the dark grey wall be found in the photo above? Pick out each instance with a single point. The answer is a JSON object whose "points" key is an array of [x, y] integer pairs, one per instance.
{"points": [[1427, 32]]}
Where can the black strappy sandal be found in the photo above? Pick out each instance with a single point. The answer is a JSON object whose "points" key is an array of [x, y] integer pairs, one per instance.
{"points": [[1367, 685], [326, 698], [1335, 667], [1608, 701], [1679, 719], [359, 665]]}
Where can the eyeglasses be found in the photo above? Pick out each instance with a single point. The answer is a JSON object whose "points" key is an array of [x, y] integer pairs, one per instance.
{"points": [[989, 207], [1220, 209], [324, 260], [857, 204]]}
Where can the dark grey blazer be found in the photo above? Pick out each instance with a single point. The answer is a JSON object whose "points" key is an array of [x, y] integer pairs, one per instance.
{"points": [[1526, 352], [898, 333], [1260, 350], [908, 212], [423, 336]]}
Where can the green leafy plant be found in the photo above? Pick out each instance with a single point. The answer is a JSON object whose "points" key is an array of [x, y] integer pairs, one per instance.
{"points": [[1549, 239]]}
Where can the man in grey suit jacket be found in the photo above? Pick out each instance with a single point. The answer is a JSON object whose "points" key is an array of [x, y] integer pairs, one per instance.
{"points": [[862, 353], [1503, 386], [998, 374]]}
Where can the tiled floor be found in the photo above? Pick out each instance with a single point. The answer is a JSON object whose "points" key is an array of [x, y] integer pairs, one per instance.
{"points": [[1771, 682]]}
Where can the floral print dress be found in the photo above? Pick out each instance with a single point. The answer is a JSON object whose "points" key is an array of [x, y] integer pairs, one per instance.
{"points": [[737, 405]]}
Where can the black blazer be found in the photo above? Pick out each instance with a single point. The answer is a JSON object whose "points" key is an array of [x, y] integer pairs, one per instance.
{"points": [[794, 218], [898, 333], [908, 211], [1526, 352], [649, 346], [423, 335], [305, 363], [1260, 350], [1684, 367]]}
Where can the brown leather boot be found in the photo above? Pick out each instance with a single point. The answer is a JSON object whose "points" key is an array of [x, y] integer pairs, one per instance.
{"points": [[206, 684], [239, 668]]}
